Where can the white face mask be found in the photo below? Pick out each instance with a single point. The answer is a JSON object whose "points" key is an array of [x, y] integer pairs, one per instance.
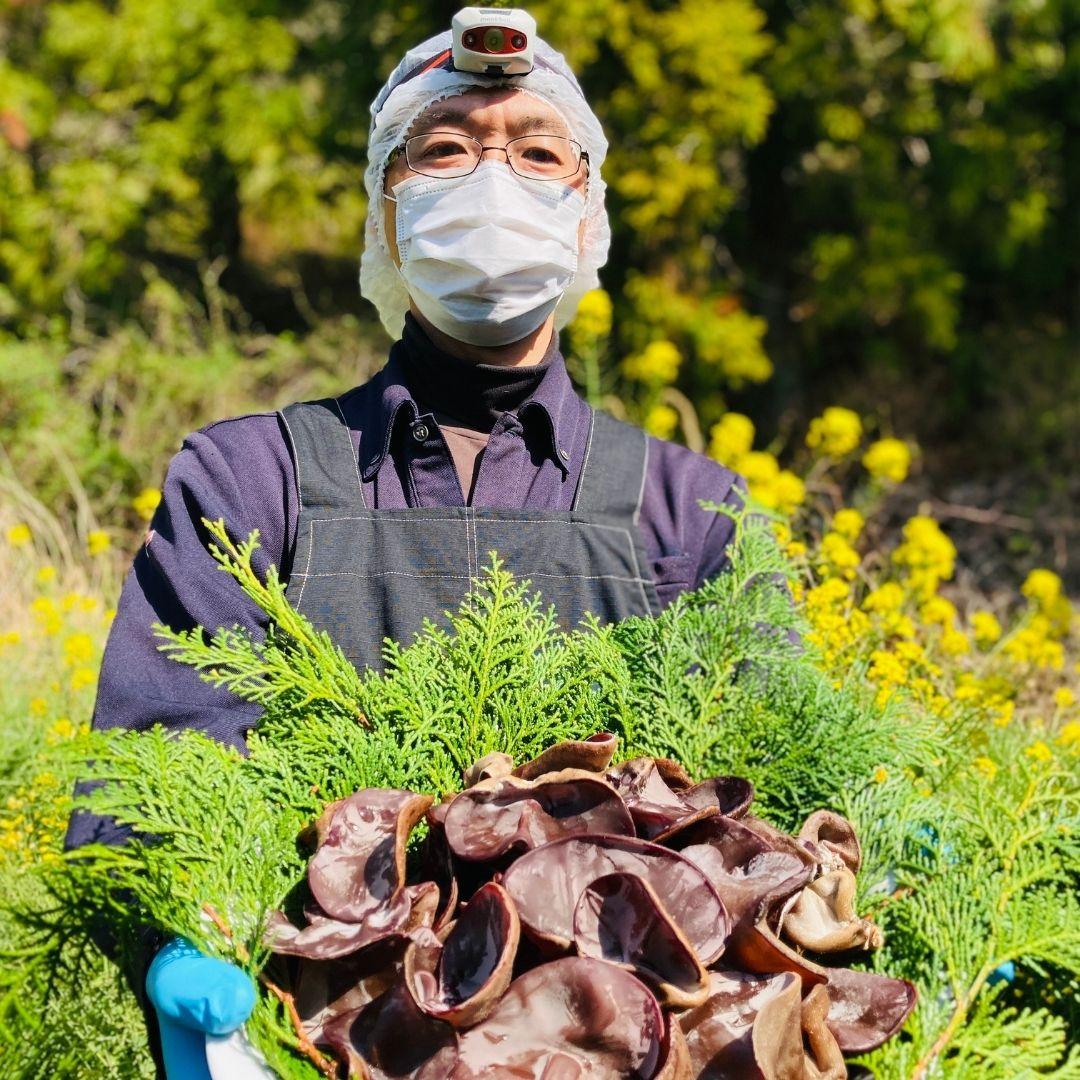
{"points": [[486, 257]]}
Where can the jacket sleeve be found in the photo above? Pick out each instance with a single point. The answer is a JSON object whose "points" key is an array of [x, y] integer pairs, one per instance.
{"points": [[174, 579]]}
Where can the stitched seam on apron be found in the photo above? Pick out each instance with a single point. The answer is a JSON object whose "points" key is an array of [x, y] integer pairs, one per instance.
{"points": [[463, 577], [352, 450], [585, 460], [637, 568], [514, 521], [644, 470], [307, 565], [385, 573], [296, 461], [471, 542]]}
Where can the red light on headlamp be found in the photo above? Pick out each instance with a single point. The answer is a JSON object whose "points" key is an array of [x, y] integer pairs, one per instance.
{"points": [[494, 40]]}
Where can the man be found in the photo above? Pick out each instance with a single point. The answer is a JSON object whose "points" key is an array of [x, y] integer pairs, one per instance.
{"points": [[486, 225]]}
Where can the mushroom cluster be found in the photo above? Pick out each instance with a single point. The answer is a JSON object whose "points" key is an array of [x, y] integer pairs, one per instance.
{"points": [[572, 918]]}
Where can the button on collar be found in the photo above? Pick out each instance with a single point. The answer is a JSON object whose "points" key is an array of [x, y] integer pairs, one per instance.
{"points": [[420, 431]]}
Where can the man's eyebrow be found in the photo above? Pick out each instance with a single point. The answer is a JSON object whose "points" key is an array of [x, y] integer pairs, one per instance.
{"points": [[459, 118]]}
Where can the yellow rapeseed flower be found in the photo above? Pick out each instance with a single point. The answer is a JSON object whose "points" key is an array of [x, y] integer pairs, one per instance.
{"points": [[778, 489], [19, 535], [849, 523], [1040, 751], [954, 642], [592, 320], [98, 542], [986, 767], [926, 556], [1042, 586], [887, 459], [881, 774], [730, 438], [62, 729], [146, 502], [662, 421], [838, 555], [47, 614], [937, 611], [38, 706], [1003, 714], [1064, 698], [888, 597], [657, 363], [83, 676], [1070, 734], [986, 628], [835, 432], [45, 575], [78, 649]]}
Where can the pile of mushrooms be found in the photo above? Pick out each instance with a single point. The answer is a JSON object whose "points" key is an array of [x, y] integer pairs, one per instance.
{"points": [[572, 918]]}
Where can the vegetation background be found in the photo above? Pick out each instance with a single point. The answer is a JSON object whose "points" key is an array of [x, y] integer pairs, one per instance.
{"points": [[871, 202], [846, 261]]}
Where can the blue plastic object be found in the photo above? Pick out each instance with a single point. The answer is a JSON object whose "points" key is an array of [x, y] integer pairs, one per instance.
{"points": [[195, 995], [1002, 973]]}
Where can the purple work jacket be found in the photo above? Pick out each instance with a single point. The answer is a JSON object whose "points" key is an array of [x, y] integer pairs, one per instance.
{"points": [[240, 469]]}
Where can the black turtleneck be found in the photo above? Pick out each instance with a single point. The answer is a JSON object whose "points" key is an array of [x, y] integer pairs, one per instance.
{"points": [[474, 394]]}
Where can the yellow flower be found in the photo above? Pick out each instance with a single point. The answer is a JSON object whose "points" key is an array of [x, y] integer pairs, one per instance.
{"points": [[838, 555], [83, 676], [45, 575], [938, 611], [887, 459], [788, 491], [886, 598], [10, 637], [1040, 751], [759, 467], [730, 438], [19, 535], [108, 614], [591, 322], [62, 729], [78, 649], [954, 642], [1004, 714], [38, 706], [927, 556], [47, 614], [987, 629], [1033, 644], [848, 523], [985, 766], [1064, 698], [1070, 734], [835, 432], [881, 774], [98, 541], [146, 502], [661, 421], [657, 363], [1042, 586]]}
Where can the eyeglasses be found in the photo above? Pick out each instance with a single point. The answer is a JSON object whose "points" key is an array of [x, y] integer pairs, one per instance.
{"points": [[448, 153]]}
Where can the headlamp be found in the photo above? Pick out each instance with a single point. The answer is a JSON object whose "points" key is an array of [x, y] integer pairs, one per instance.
{"points": [[493, 41]]}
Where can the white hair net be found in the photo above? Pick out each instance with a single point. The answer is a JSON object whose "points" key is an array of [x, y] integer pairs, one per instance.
{"points": [[421, 79]]}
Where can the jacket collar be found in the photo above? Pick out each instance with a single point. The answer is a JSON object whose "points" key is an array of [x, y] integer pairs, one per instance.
{"points": [[552, 416]]}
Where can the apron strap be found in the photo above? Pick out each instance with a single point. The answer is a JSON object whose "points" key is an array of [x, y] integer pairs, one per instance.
{"points": [[613, 474], [327, 465]]}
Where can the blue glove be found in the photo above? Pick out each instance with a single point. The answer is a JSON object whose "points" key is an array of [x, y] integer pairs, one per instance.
{"points": [[194, 996]]}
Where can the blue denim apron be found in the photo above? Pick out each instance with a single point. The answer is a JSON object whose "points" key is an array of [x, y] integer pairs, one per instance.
{"points": [[362, 574]]}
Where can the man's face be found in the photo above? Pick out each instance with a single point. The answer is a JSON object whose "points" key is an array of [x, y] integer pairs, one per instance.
{"points": [[494, 116]]}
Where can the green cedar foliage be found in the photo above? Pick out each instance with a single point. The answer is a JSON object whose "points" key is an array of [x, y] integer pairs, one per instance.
{"points": [[962, 873]]}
